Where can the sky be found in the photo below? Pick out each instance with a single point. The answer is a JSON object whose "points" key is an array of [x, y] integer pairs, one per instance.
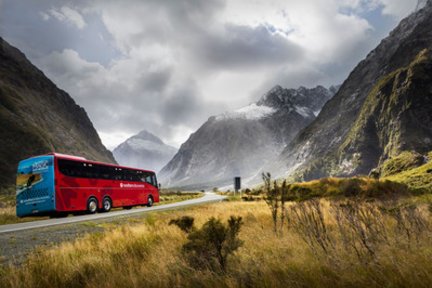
{"points": [[166, 66]]}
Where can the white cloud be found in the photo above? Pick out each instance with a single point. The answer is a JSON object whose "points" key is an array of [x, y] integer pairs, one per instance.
{"points": [[66, 14], [398, 8], [183, 61]]}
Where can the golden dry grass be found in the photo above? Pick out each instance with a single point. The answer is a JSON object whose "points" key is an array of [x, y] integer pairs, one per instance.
{"points": [[149, 255]]}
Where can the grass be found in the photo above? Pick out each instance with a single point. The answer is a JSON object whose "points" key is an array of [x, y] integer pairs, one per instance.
{"points": [[418, 179], [149, 253], [167, 196], [404, 161]]}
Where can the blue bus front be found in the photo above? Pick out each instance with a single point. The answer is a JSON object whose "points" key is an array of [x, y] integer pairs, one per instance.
{"points": [[35, 193]]}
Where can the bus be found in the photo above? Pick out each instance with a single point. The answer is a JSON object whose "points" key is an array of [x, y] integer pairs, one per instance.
{"points": [[58, 184]]}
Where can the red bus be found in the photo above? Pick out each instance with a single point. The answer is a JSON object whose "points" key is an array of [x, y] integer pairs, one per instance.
{"points": [[57, 183]]}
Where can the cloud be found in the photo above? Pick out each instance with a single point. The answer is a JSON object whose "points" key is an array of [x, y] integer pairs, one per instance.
{"points": [[398, 8], [166, 66], [130, 95], [66, 14]]}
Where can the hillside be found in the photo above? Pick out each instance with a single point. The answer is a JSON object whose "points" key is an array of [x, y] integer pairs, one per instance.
{"points": [[239, 143], [144, 150], [37, 117], [382, 109]]}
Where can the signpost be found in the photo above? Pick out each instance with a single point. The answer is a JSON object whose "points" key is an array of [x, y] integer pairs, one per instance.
{"points": [[237, 184]]}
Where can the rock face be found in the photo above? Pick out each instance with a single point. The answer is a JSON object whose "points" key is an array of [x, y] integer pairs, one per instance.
{"points": [[37, 117], [383, 108], [239, 143], [144, 150]]}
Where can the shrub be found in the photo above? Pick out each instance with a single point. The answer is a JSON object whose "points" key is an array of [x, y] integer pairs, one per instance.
{"points": [[185, 223], [275, 198], [210, 246]]}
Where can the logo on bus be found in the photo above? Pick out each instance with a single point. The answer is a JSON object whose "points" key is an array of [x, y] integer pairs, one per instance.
{"points": [[40, 166], [128, 185]]}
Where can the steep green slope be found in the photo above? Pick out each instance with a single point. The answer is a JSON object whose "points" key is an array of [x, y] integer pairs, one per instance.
{"points": [[383, 108], [37, 117], [418, 178]]}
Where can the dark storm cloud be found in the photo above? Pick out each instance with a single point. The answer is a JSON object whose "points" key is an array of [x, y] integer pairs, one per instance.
{"points": [[245, 47]]}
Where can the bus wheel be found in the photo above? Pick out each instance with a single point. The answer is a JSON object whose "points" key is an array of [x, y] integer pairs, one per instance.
{"points": [[106, 204], [92, 205], [150, 201]]}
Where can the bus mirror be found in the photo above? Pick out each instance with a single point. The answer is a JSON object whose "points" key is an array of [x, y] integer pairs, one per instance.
{"points": [[160, 185]]}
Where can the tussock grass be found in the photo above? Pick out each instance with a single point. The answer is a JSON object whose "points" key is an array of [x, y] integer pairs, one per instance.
{"points": [[149, 254]]}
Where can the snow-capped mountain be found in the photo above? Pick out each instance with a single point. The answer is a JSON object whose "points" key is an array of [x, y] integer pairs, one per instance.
{"points": [[240, 142], [144, 150]]}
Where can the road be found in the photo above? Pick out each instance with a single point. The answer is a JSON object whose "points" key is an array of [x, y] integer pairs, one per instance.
{"points": [[207, 198]]}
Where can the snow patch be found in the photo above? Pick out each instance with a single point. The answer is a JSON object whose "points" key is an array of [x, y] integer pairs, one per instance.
{"points": [[304, 111], [140, 144], [250, 112]]}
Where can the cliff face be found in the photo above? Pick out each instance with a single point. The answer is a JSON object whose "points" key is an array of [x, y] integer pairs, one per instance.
{"points": [[37, 117], [383, 108]]}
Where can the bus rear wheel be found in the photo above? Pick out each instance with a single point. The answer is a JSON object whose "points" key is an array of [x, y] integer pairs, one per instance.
{"points": [[106, 204], [92, 205], [150, 201]]}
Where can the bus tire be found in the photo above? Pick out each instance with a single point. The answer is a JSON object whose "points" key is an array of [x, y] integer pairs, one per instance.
{"points": [[106, 204], [150, 201], [92, 205]]}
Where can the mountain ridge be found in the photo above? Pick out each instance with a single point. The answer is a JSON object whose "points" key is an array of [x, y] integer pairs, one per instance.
{"points": [[37, 117], [144, 150], [317, 150]]}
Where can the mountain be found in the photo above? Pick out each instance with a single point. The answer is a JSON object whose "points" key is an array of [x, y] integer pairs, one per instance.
{"points": [[37, 117], [239, 143], [383, 108], [144, 150]]}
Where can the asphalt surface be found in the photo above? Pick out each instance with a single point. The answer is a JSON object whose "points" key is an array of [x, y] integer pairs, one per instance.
{"points": [[207, 198]]}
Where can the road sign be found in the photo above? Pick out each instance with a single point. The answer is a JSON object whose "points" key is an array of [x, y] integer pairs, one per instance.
{"points": [[237, 183]]}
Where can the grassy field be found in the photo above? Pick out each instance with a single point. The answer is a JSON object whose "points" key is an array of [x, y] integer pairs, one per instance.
{"points": [[8, 214], [322, 243]]}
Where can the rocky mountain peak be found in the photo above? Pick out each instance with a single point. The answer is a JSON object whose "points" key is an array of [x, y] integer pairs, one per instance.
{"points": [[145, 135], [240, 142], [303, 97]]}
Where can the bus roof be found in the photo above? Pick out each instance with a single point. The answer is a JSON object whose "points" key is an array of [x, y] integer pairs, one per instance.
{"points": [[78, 158]]}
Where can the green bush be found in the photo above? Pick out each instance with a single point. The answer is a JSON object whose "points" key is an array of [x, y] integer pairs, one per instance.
{"points": [[185, 223], [210, 246]]}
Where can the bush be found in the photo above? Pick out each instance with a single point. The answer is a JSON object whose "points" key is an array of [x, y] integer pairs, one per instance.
{"points": [[210, 246], [185, 223]]}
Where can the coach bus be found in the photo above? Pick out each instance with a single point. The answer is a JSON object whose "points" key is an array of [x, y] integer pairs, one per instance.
{"points": [[58, 184]]}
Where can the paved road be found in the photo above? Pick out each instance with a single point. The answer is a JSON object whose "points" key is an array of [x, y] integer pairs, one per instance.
{"points": [[207, 198]]}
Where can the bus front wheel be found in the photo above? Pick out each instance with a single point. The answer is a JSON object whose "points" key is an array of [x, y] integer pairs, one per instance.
{"points": [[106, 204], [92, 205]]}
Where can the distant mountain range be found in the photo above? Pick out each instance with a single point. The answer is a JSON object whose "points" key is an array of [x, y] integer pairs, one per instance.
{"points": [[239, 143], [382, 109], [37, 117], [144, 150]]}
